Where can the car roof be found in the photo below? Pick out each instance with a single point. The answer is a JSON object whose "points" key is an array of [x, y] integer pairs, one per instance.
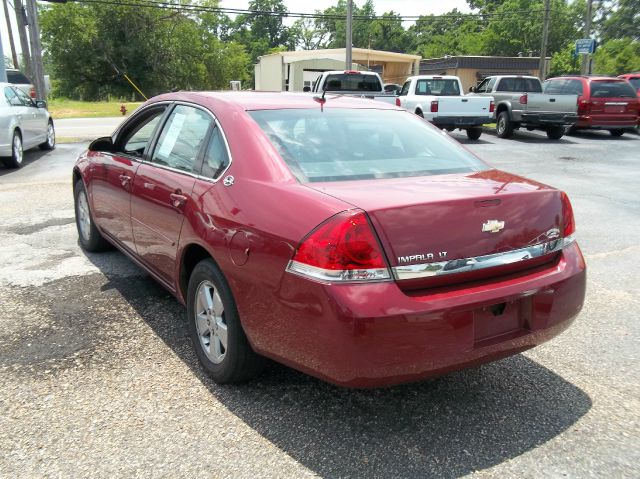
{"points": [[252, 100]]}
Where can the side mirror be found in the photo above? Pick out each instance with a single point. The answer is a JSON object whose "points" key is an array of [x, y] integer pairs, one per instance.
{"points": [[306, 89], [41, 104], [103, 143], [472, 89]]}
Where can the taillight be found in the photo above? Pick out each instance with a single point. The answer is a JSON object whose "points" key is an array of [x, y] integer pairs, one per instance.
{"points": [[434, 106], [568, 222], [343, 248], [32, 92], [583, 107], [492, 107], [524, 99], [397, 101]]}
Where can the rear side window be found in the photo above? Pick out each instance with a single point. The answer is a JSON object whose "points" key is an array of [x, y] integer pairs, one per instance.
{"points": [[352, 82], [17, 78], [438, 87], [611, 89], [352, 144], [181, 138]]}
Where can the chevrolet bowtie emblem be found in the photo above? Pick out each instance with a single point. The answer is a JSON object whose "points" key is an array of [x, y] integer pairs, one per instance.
{"points": [[492, 226]]}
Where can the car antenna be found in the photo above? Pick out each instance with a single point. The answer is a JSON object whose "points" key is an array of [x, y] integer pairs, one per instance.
{"points": [[321, 99]]}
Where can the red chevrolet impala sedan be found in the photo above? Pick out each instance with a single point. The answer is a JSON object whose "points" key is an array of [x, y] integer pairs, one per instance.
{"points": [[346, 238]]}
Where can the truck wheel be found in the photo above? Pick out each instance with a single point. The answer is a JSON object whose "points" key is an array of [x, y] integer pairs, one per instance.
{"points": [[617, 132], [504, 127], [555, 132], [474, 133]]}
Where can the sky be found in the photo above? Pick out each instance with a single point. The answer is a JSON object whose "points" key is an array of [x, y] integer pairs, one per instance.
{"points": [[403, 7]]}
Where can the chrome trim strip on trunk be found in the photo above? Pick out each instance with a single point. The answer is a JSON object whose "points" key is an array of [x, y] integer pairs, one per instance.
{"points": [[426, 270]]}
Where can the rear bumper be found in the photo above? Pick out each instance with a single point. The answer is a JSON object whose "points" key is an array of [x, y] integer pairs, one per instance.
{"points": [[595, 123], [371, 335], [549, 119], [461, 121]]}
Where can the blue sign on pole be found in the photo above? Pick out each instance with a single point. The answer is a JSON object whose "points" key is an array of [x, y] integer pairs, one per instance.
{"points": [[585, 46]]}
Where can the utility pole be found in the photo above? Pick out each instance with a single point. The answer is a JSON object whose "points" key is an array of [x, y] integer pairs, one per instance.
{"points": [[14, 55], [36, 50], [586, 58], [21, 20], [349, 59], [542, 69]]}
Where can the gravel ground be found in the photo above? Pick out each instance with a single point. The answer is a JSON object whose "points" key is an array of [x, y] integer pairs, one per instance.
{"points": [[98, 378]]}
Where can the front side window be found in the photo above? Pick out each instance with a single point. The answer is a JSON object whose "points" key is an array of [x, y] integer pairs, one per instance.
{"points": [[24, 98], [137, 136], [11, 97], [181, 138], [352, 144]]}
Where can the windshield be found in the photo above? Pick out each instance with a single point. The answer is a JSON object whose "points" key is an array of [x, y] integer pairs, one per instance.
{"points": [[438, 87], [611, 89], [354, 144], [352, 82]]}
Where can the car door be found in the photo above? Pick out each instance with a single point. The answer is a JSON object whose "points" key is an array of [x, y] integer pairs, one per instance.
{"points": [[112, 174], [17, 110], [162, 188], [34, 132]]}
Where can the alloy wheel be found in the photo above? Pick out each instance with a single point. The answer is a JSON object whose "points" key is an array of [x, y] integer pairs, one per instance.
{"points": [[51, 136], [84, 217], [501, 126], [210, 322], [17, 149]]}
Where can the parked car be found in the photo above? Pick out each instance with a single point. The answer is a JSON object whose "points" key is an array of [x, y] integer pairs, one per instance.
{"points": [[352, 83], [521, 103], [440, 100], [634, 79], [263, 213], [604, 103], [20, 80], [24, 124]]}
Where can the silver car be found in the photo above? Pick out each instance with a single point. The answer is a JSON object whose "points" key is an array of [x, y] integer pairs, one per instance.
{"points": [[24, 124]]}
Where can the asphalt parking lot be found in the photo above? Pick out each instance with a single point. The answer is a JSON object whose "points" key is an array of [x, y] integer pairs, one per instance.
{"points": [[98, 378]]}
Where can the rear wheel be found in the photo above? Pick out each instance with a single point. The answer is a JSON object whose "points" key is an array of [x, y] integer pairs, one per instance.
{"points": [[50, 143], [555, 132], [617, 132], [214, 326], [88, 234], [17, 153], [474, 133], [504, 127]]}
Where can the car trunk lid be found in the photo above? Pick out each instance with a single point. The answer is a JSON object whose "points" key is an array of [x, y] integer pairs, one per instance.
{"points": [[426, 220]]}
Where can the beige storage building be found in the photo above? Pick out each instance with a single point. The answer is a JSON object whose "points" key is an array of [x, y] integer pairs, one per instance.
{"points": [[292, 71], [473, 69]]}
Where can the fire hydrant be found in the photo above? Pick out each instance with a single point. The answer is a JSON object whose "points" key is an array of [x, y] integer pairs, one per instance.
{"points": [[123, 109]]}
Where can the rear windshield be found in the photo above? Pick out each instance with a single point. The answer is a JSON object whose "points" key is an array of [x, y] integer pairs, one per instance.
{"points": [[520, 85], [611, 89], [17, 78], [635, 83], [352, 82], [438, 87], [354, 144]]}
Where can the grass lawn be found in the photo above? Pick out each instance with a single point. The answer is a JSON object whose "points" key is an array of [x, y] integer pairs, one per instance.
{"points": [[62, 108]]}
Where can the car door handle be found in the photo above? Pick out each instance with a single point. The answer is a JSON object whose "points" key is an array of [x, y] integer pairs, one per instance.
{"points": [[125, 180], [177, 200]]}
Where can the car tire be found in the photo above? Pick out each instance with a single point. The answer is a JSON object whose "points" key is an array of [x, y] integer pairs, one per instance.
{"points": [[17, 152], [555, 132], [90, 238], [215, 329], [50, 144], [419, 113], [616, 132], [474, 133], [504, 127]]}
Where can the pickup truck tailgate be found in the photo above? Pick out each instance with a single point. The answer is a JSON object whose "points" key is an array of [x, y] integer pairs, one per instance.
{"points": [[544, 103], [464, 106]]}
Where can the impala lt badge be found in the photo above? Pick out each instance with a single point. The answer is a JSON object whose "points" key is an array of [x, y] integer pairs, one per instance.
{"points": [[492, 226]]}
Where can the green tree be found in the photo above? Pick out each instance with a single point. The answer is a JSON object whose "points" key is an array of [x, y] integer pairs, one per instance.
{"points": [[565, 61], [387, 33], [617, 56], [622, 21]]}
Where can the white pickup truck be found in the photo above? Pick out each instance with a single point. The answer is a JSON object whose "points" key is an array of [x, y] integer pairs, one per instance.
{"points": [[440, 100], [352, 83]]}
